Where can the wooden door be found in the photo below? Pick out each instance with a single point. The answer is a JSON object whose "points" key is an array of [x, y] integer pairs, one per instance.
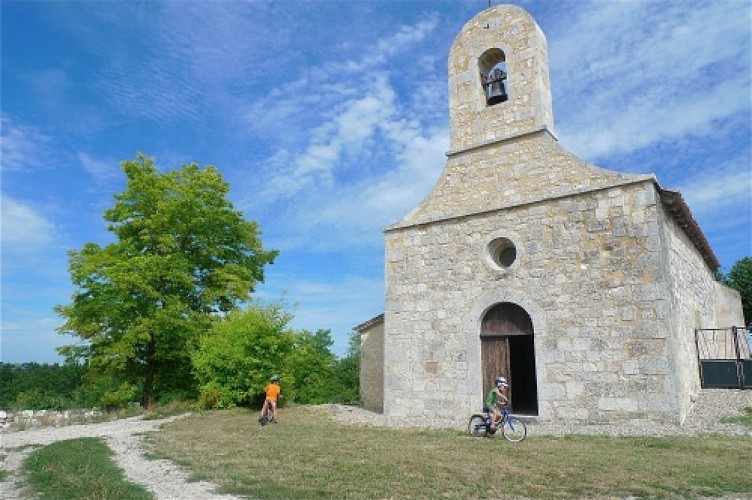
{"points": [[494, 352], [501, 323]]}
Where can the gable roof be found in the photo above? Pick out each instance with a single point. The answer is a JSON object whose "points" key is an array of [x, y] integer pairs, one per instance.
{"points": [[367, 325], [678, 209]]}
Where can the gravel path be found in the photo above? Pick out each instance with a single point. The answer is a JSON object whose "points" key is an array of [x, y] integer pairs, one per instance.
{"points": [[705, 417], [168, 481], [125, 437]]}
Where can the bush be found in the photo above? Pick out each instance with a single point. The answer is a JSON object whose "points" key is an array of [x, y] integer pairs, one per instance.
{"points": [[235, 361]]}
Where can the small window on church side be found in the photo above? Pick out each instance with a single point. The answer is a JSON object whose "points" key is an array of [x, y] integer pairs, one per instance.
{"points": [[502, 252]]}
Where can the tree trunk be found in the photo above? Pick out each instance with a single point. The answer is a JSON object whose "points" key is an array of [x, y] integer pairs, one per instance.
{"points": [[148, 399]]}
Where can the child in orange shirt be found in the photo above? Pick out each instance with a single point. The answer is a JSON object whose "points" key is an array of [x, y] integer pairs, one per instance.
{"points": [[272, 395]]}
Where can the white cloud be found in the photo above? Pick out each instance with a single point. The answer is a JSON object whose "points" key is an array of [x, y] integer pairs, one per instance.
{"points": [[345, 133], [406, 36], [159, 93], [21, 340], [315, 93], [24, 229], [329, 304], [657, 73], [724, 189], [103, 171], [22, 146], [333, 125], [384, 200]]}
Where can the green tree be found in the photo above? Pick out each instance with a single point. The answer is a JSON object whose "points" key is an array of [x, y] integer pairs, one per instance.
{"points": [[740, 278], [319, 376], [235, 361], [347, 371], [312, 366], [183, 255]]}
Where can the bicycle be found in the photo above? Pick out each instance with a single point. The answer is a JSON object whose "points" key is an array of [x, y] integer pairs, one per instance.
{"points": [[512, 428], [266, 415]]}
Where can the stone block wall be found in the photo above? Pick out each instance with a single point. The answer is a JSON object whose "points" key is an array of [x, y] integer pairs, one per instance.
{"points": [[697, 301], [518, 171], [27, 419], [613, 286], [372, 366], [513, 31], [728, 311], [588, 271]]}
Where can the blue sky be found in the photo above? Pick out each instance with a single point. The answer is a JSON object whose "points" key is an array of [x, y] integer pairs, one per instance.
{"points": [[329, 120]]}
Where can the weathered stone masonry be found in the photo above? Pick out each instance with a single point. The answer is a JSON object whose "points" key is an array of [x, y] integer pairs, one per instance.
{"points": [[610, 268]]}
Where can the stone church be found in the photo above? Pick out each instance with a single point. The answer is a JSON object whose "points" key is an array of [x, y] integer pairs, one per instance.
{"points": [[583, 286]]}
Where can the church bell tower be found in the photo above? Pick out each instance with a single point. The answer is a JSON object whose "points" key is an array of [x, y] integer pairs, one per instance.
{"points": [[498, 79]]}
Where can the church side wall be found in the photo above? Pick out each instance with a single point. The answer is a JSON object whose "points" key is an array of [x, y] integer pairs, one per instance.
{"points": [[693, 291], [372, 368], [728, 310], [591, 273]]}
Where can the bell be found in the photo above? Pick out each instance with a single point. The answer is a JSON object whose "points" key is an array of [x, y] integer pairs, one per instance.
{"points": [[495, 91]]}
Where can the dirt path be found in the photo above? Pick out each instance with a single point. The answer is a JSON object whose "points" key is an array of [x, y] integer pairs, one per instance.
{"points": [[125, 438]]}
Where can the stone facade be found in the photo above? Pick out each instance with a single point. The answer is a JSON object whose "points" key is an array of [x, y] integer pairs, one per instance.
{"points": [[581, 285], [372, 363]]}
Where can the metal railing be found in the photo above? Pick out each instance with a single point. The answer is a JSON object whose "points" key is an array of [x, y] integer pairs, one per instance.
{"points": [[725, 357]]}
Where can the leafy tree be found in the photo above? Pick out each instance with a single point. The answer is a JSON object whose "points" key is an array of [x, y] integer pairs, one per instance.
{"points": [[347, 371], [235, 361], [740, 279], [319, 376], [312, 366], [182, 256]]}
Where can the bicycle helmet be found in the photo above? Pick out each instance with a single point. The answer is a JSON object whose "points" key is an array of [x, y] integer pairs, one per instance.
{"points": [[275, 378], [501, 381]]}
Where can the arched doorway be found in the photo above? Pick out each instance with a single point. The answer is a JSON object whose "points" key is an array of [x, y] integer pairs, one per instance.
{"points": [[507, 348]]}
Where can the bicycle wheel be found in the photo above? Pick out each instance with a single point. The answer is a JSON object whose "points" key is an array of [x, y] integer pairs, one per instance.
{"points": [[477, 426], [513, 429]]}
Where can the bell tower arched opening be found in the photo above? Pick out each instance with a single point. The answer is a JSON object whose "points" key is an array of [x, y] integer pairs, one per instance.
{"points": [[493, 76], [508, 349]]}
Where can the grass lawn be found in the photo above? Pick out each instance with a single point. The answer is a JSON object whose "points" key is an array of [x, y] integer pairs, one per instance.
{"points": [[308, 455], [78, 468]]}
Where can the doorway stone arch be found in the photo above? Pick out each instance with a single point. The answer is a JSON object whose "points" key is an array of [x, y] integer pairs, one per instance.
{"points": [[506, 330], [507, 348]]}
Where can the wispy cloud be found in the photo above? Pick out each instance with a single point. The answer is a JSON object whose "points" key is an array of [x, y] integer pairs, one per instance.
{"points": [[159, 92], [342, 118], [103, 172], [383, 199], [24, 229], [659, 74], [20, 339], [330, 304], [23, 146], [725, 188], [317, 93], [345, 134]]}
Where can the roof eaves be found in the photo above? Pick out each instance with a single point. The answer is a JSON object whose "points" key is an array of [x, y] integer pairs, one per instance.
{"points": [[679, 210], [370, 323]]}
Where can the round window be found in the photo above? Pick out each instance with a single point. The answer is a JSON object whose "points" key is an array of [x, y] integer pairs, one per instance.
{"points": [[502, 252]]}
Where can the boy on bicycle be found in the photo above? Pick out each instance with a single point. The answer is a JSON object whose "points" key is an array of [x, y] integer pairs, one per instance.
{"points": [[272, 391], [497, 398]]}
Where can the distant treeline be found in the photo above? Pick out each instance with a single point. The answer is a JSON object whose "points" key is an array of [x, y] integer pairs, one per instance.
{"points": [[231, 369], [41, 386]]}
